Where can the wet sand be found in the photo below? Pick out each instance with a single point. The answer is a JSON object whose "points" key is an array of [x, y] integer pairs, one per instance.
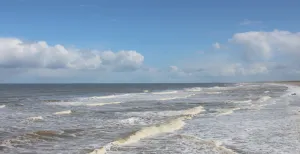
{"points": [[297, 83]]}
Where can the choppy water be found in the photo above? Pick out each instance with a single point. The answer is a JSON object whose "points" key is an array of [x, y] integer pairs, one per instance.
{"points": [[149, 118]]}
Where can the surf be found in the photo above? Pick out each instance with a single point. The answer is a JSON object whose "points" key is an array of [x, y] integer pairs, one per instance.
{"points": [[164, 92], [38, 118], [102, 104], [63, 112], [195, 89], [167, 127]]}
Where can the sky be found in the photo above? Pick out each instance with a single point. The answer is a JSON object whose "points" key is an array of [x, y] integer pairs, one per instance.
{"points": [[137, 41]]}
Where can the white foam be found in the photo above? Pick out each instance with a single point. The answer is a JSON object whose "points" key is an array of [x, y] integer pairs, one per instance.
{"points": [[242, 102], [106, 97], [227, 111], [132, 121], [101, 104], [216, 92], [63, 112], [2, 106], [145, 132], [35, 118], [195, 89], [263, 99], [172, 98], [267, 92], [164, 92], [214, 144]]}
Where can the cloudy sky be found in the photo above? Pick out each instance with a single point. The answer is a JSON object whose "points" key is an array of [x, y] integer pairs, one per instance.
{"points": [[55, 41]]}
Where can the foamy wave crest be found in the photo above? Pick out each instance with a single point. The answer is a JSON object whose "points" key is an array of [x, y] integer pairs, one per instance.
{"points": [[164, 92], [195, 89], [2, 106], [187, 112], [245, 101], [216, 92], [38, 118], [132, 121], [145, 132], [227, 111], [213, 144], [101, 104], [264, 98], [172, 98], [63, 112], [193, 111], [106, 97]]}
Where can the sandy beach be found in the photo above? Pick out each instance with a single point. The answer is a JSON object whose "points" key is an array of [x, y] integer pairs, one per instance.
{"points": [[297, 83]]}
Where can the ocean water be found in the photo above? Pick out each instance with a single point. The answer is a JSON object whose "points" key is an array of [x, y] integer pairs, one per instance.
{"points": [[149, 118]]}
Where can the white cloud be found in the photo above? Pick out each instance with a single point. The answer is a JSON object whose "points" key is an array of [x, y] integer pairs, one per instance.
{"points": [[174, 69], [237, 69], [15, 53], [266, 44], [217, 45], [249, 22]]}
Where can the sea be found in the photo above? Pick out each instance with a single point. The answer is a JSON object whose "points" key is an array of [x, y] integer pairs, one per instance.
{"points": [[207, 118]]}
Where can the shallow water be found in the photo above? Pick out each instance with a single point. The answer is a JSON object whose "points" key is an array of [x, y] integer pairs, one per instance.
{"points": [[149, 118]]}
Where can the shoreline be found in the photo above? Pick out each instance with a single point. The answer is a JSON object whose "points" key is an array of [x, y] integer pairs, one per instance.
{"points": [[295, 83]]}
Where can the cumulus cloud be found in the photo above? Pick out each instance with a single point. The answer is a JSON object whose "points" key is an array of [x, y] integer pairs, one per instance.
{"points": [[217, 45], [266, 44], [239, 69], [16, 53]]}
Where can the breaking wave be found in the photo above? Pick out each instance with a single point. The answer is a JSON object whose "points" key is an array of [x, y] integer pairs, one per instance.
{"points": [[264, 98], [227, 111], [63, 112], [172, 98], [195, 89], [35, 118], [245, 101], [2, 106], [213, 144], [216, 92], [168, 127], [101, 104], [105, 97], [164, 92]]}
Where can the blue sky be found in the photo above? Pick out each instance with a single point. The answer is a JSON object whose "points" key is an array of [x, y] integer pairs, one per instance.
{"points": [[175, 38]]}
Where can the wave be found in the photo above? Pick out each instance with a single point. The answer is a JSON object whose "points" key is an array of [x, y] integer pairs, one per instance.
{"points": [[164, 92], [145, 132], [218, 145], [35, 118], [216, 92], [168, 127], [101, 104], [266, 92], [2, 106], [264, 98], [105, 97], [172, 98], [63, 112], [195, 89], [227, 111], [245, 101], [132, 121]]}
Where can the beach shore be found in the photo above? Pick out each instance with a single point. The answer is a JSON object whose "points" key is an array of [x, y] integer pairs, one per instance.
{"points": [[296, 83]]}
